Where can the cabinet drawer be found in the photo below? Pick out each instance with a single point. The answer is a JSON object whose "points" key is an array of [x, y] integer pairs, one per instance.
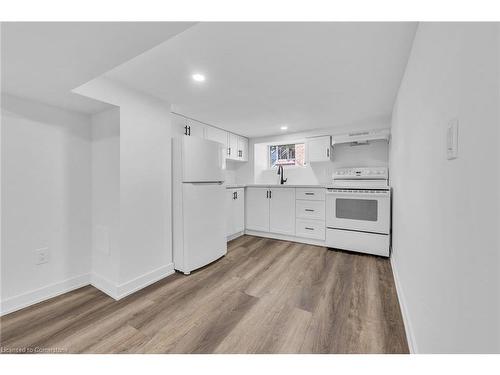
{"points": [[314, 194], [310, 229], [310, 209]]}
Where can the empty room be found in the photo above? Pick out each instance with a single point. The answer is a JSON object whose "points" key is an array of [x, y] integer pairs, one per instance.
{"points": [[256, 187]]}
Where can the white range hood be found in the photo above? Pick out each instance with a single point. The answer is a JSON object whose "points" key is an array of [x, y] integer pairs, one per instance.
{"points": [[362, 137]]}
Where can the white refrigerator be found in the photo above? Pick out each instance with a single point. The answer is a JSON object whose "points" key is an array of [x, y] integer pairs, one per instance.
{"points": [[198, 201]]}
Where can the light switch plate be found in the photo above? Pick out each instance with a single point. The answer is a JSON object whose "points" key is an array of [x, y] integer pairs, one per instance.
{"points": [[452, 140], [42, 255]]}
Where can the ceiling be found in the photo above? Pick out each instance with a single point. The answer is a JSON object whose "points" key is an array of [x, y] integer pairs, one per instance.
{"points": [[43, 61], [260, 76]]}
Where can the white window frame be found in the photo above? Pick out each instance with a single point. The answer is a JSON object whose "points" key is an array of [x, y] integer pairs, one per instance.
{"points": [[268, 151]]}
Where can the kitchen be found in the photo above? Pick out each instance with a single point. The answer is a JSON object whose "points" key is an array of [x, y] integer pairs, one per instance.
{"points": [[237, 187]]}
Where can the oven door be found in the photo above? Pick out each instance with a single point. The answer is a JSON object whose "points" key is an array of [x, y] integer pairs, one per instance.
{"points": [[364, 210]]}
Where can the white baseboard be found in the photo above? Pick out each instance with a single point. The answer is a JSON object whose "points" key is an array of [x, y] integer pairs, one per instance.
{"points": [[119, 291], [235, 236], [111, 289], [410, 337], [285, 237], [143, 281], [38, 295], [104, 285]]}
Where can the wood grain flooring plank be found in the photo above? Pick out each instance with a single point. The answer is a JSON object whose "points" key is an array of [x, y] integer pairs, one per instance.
{"points": [[264, 296]]}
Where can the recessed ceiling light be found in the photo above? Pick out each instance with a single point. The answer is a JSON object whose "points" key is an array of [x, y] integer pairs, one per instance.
{"points": [[198, 77], [283, 127]]}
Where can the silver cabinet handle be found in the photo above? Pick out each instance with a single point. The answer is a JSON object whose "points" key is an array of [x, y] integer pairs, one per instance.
{"points": [[309, 228], [309, 210]]}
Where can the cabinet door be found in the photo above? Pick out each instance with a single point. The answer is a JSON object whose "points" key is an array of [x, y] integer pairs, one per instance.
{"points": [[242, 149], [239, 211], [257, 209], [217, 135], [230, 205], [178, 125], [196, 129], [282, 211], [319, 149], [232, 151]]}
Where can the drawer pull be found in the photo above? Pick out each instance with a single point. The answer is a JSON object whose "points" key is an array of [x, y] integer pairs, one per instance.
{"points": [[309, 193], [309, 210], [309, 228]]}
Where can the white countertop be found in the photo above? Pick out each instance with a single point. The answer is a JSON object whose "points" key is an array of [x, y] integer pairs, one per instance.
{"points": [[235, 186]]}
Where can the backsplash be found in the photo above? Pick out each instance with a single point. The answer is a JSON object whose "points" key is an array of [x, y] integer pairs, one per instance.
{"points": [[374, 154]]}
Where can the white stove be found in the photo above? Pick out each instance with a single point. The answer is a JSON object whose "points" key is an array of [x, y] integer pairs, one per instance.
{"points": [[358, 210], [375, 177]]}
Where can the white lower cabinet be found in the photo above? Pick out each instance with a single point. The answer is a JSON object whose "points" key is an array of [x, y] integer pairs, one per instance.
{"points": [[310, 229], [310, 209], [257, 209], [310, 213], [235, 212], [291, 212], [282, 211], [271, 210]]}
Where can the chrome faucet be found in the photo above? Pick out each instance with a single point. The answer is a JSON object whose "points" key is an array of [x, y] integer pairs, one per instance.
{"points": [[281, 173]]}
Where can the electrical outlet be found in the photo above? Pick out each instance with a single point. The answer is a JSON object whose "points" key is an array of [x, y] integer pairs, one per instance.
{"points": [[42, 255]]}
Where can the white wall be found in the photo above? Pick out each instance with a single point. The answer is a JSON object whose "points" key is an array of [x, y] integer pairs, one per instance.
{"points": [[257, 169], [106, 196], [45, 200], [145, 183], [446, 212]]}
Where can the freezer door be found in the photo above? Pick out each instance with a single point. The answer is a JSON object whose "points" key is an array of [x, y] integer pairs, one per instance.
{"points": [[202, 160], [204, 224]]}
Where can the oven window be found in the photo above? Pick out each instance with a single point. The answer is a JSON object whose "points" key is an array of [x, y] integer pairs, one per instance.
{"points": [[356, 209]]}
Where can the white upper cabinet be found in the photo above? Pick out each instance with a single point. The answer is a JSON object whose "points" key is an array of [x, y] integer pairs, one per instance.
{"points": [[242, 148], [196, 129], [235, 147], [232, 144], [319, 149], [179, 125], [188, 127], [216, 134]]}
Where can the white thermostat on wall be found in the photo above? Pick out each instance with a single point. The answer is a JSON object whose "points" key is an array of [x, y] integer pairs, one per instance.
{"points": [[452, 140]]}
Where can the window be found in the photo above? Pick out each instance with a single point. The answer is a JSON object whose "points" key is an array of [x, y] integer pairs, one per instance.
{"points": [[290, 154]]}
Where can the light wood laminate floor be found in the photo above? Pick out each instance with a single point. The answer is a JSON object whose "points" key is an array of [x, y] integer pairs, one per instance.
{"points": [[264, 296]]}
